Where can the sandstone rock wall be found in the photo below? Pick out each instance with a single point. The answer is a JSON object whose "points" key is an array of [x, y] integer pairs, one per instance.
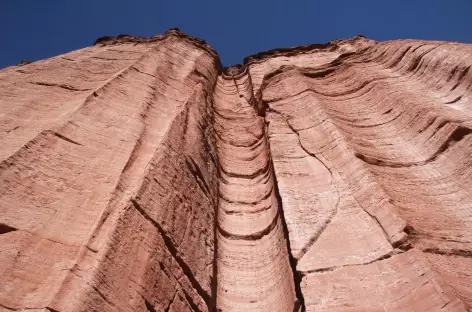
{"points": [[138, 175], [109, 182]]}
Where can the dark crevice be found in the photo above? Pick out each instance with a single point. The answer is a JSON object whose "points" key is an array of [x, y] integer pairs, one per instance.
{"points": [[457, 99], [149, 306], [60, 136], [297, 276], [214, 280], [175, 254], [141, 72], [185, 122], [6, 228], [63, 86], [7, 308], [318, 74]]}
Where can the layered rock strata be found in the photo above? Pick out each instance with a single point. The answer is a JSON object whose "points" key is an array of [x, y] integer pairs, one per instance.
{"points": [[253, 266], [139, 175]]}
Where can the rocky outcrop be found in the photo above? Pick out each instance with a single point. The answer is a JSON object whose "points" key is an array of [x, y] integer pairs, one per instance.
{"points": [[139, 175]]}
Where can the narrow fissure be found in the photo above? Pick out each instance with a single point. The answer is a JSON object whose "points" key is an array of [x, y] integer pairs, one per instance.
{"points": [[214, 280], [149, 306], [297, 276]]}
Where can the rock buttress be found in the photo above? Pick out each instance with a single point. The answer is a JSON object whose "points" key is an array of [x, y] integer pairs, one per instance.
{"points": [[113, 190], [253, 268]]}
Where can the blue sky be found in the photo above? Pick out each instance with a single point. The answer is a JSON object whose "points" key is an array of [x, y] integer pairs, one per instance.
{"points": [[37, 29]]}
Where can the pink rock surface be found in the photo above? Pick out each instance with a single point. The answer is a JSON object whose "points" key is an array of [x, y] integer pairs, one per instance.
{"points": [[139, 175]]}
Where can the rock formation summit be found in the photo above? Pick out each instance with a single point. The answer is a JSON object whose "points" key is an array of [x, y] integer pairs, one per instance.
{"points": [[138, 174]]}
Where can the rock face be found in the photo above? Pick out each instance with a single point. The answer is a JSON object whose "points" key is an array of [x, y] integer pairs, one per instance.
{"points": [[140, 175]]}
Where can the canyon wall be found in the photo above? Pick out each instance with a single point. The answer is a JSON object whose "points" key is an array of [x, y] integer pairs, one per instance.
{"points": [[140, 175]]}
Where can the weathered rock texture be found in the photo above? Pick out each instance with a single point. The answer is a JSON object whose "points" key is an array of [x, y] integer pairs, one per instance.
{"points": [[139, 175]]}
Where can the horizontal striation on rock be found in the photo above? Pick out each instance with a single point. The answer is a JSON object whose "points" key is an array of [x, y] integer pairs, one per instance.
{"points": [[139, 175], [253, 268]]}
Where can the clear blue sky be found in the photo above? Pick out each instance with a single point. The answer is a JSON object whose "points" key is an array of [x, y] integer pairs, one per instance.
{"points": [[38, 29]]}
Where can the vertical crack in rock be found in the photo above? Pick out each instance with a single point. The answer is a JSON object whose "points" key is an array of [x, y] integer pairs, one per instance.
{"points": [[297, 276]]}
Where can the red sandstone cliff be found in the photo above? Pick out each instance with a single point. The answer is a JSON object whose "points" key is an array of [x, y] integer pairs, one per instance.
{"points": [[138, 175]]}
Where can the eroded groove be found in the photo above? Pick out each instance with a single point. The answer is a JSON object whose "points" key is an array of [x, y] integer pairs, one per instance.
{"points": [[450, 252], [456, 136], [253, 236], [461, 78]]}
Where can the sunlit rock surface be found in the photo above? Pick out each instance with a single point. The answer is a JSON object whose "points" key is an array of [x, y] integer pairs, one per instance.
{"points": [[140, 175]]}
